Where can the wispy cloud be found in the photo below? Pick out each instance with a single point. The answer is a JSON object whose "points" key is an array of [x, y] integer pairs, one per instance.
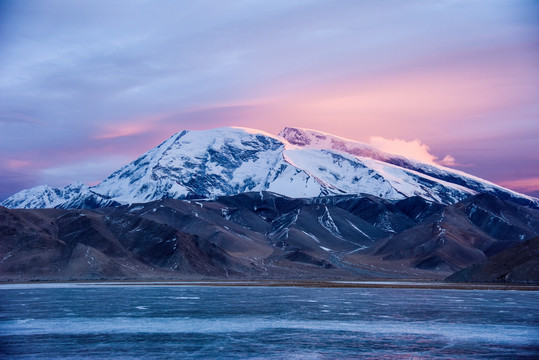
{"points": [[13, 117], [527, 185], [413, 149], [448, 160], [15, 164]]}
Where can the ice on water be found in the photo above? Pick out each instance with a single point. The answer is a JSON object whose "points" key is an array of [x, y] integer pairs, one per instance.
{"points": [[102, 320]]}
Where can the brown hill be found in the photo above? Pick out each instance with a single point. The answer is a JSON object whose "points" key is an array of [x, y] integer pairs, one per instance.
{"points": [[519, 264], [261, 235]]}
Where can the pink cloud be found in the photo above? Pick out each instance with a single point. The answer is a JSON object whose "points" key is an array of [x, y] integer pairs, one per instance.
{"points": [[448, 160], [118, 128], [413, 149], [126, 128], [122, 130], [526, 185], [15, 164]]}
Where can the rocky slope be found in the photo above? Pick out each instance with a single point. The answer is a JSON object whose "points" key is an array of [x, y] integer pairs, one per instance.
{"points": [[262, 235], [518, 264]]}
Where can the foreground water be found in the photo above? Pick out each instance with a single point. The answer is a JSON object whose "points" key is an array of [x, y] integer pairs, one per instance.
{"points": [[175, 322]]}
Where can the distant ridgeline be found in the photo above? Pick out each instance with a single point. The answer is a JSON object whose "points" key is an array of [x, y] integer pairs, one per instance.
{"points": [[240, 203]]}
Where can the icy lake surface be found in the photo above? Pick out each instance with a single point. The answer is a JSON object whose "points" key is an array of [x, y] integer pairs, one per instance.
{"points": [[178, 322]]}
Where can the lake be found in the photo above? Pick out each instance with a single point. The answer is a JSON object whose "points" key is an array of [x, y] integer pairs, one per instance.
{"points": [[94, 321]]}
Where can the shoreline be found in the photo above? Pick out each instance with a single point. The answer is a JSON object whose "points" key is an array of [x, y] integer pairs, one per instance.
{"points": [[389, 284]]}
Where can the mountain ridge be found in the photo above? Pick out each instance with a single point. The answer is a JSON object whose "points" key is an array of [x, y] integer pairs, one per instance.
{"points": [[297, 163]]}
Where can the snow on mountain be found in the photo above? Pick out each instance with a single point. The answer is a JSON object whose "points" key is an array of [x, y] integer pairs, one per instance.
{"points": [[298, 163], [76, 195], [307, 138], [198, 164], [45, 196], [348, 174]]}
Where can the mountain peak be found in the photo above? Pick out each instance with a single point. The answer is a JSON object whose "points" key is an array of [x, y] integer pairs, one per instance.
{"points": [[227, 131], [295, 136], [305, 135], [321, 140]]}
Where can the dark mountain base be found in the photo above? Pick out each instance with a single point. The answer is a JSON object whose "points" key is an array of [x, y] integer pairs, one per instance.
{"points": [[519, 264], [267, 236]]}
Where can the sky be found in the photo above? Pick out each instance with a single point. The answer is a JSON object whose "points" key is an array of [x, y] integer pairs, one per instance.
{"points": [[88, 86]]}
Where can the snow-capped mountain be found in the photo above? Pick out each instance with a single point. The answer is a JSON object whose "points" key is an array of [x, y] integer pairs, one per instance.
{"points": [[297, 163], [44, 196], [307, 138]]}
